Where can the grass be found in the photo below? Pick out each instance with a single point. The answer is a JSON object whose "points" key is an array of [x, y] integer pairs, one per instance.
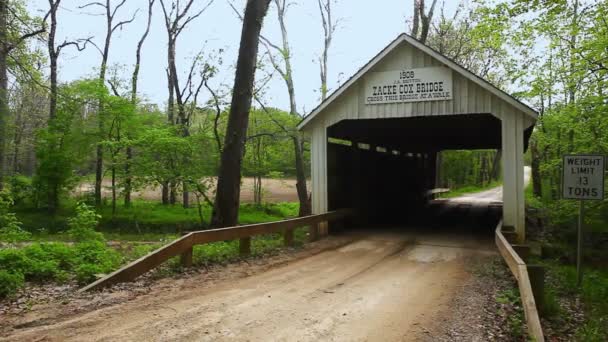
{"points": [[145, 221], [132, 233], [593, 294], [469, 189]]}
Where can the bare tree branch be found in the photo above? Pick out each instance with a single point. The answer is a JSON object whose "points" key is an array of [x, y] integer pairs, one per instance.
{"points": [[125, 22]]}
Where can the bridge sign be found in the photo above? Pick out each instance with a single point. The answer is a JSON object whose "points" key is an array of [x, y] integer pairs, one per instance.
{"points": [[583, 177]]}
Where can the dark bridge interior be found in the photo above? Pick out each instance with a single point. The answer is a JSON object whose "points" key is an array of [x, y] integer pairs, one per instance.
{"points": [[390, 164]]}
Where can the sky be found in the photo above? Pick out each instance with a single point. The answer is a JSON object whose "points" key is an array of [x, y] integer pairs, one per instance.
{"points": [[365, 27]]}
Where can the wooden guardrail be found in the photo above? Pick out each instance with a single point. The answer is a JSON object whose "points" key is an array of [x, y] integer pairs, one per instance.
{"points": [[437, 191], [520, 271], [183, 246]]}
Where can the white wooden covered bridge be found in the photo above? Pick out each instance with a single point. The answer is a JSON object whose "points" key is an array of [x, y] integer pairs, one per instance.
{"points": [[405, 105]]}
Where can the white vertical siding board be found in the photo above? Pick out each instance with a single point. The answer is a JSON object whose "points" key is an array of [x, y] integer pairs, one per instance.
{"points": [[520, 227]]}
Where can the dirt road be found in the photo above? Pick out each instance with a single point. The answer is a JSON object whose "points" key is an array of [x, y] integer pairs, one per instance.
{"points": [[488, 196], [384, 286]]}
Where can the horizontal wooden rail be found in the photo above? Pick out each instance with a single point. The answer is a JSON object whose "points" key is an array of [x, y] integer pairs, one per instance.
{"points": [[436, 191], [183, 246], [520, 272]]}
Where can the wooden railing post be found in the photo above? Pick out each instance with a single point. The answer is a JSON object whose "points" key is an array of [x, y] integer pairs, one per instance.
{"points": [[523, 251], [510, 236], [245, 246], [288, 237], [186, 258], [323, 228], [536, 273], [313, 232]]}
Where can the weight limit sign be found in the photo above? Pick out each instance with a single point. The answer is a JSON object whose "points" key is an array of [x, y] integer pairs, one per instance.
{"points": [[583, 177]]}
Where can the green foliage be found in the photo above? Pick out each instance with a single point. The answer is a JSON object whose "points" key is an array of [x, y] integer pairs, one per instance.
{"points": [[551, 307], [473, 169], [65, 144], [459, 191], [10, 227], [10, 283], [593, 330], [269, 149], [82, 226], [87, 273], [21, 189], [41, 262], [515, 319], [593, 294], [217, 252], [83, 261]]}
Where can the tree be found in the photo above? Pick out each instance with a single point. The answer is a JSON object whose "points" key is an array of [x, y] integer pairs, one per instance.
{"points": [[422, 20], [134, 84], [176, 20], [329, 28], [286, 73], [111, 27], [54, 51], [226, 206], [12, 18], [66, 142]]}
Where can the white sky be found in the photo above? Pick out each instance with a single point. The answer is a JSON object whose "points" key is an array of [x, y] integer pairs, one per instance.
{"points": [[365, 28]]}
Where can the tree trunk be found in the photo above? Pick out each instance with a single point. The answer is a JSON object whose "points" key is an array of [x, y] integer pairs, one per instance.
{"points": [[439, 182], [226, 206], [496, 165], [416, 23], [301, 188], [165, 193], [113, 191], [53, 55], [172, 192], [305, 205], [4, 110], [53, 190], [128, 177], [185, 196], [536, 180]]}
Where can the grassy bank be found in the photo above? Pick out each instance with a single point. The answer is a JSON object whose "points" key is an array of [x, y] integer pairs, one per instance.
{"points": [[87, 243], [470, 189], [579, 313], [147, 219]]}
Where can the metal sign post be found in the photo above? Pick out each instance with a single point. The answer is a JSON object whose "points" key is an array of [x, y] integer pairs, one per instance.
{"points": [[579, 246], [583, 179]]}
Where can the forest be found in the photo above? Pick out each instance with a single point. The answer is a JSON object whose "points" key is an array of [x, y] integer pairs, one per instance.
{"points": [[76, 156]]}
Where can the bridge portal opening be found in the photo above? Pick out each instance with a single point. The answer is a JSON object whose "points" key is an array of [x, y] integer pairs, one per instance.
{"points": [[385, 168]]}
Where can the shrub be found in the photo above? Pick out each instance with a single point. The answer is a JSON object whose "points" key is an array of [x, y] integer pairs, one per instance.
{"points": [[10, 227], [57, 262], [41, 265], [86, 273], [14, 260], [10, 283], [22, 190], [63, 254], [97, 253], [82, 226]]}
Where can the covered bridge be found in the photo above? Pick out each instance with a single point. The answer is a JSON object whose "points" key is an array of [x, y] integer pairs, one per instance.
{"points": [[374, 141]]}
